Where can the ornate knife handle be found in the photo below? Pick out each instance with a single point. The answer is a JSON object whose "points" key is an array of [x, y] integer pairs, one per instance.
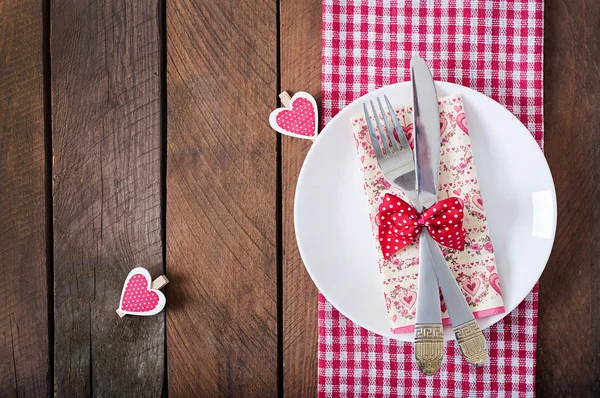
{"points": [[429, 347], [429, 336], [471, 342]]}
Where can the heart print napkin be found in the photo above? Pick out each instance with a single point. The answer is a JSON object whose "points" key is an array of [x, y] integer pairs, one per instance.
{"points": [[475, 266]]}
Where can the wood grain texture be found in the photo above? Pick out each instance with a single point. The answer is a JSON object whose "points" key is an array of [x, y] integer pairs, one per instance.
{"points": [[300, 40], [106, 192], [23, 287], [221, 198], [569, 321]]}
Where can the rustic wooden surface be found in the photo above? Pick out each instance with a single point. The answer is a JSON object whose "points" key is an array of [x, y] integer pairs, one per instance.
{"points": [[569, 314], [106, 143], [24, 360], [300, 38], [221, 195], [135, 114]]}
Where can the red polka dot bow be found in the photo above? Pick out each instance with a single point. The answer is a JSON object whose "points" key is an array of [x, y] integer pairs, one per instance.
{"points": [[400, 224]]}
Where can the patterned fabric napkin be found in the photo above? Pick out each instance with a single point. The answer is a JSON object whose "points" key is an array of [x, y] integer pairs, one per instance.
{"points": [[475, 266], [493, 46]]}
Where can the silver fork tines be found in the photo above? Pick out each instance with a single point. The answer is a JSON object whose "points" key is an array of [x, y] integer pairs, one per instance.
{"points": [[385, 135], [399, 131], [388, 128], [374, 139]]}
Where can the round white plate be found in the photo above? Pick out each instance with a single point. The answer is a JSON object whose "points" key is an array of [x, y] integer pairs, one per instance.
{"points": [[334, 232]]}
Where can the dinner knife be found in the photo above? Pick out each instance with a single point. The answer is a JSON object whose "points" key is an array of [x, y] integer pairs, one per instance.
{"points": [[427, 161], [429, 336]]}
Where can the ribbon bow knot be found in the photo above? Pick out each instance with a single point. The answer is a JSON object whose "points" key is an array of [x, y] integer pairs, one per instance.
{"points": [[400, 224]]}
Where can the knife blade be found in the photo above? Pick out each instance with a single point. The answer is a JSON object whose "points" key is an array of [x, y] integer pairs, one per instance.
{"points": [[427, 161], [429, 337]]}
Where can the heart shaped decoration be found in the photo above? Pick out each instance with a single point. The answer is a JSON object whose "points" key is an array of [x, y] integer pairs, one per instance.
{"points": [[461, 121], [138, 297], [443, 125], [408, 299], [409, 133], [477, 201], [299, 117], [471, 286], [495, 283]]}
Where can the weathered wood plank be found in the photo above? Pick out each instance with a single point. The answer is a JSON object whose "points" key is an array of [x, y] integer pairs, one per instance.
{"points": [[568, 344], [300, 38], [23, 286], [221, 198], [106, 192]]}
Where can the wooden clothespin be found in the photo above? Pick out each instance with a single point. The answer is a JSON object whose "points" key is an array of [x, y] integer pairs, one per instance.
{"points": [[159, 282], [285, 98]]}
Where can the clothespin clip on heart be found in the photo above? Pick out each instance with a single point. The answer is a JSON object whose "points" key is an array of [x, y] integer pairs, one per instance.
{"points": [[141, 295], [298, 118]]}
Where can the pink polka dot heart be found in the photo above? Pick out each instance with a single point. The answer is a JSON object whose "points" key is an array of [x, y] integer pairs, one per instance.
{"points": [[137, 297], [300, 120]]}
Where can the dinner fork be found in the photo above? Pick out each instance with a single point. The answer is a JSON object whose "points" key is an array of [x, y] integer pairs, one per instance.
{"points": [[397, 164]]}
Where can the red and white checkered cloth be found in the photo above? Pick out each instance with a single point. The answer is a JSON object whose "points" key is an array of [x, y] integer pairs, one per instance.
{"points": [[493, 46]]}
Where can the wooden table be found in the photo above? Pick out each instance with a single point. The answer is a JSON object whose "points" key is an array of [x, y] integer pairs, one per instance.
{"points": [[134, 133]]}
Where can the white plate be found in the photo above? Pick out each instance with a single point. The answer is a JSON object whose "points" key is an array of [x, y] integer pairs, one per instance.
{"points": [[332, 223]]}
